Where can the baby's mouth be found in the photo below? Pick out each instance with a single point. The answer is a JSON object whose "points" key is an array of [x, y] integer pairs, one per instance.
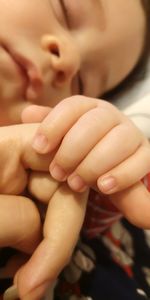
{"points": [[29, 72]]}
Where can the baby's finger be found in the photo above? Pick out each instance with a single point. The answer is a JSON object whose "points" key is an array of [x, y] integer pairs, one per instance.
{"points": [[42, 179], [20, 223], [30, 159], [127, 173], [34, 113], [114, 148], [59, 121], [64, 219], [81, 139], [134, 203]]}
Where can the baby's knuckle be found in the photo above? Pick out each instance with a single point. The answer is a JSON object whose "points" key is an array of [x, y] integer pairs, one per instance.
{"points": [[49, 186], [75, 99], [65, 160], [107, 105], [88, 174]]}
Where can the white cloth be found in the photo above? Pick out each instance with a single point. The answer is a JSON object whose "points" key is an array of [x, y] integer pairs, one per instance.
{"points": [[136, 103], [139, 112]]}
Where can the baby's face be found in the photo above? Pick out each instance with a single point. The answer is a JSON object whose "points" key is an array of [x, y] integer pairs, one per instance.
{"points": [[51, 49]]}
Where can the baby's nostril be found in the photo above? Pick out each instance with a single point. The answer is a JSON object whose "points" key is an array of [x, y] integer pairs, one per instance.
{"points": [[61, 76], [53, 48]]}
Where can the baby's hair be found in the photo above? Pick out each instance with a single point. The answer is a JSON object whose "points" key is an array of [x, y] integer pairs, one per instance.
{"points": [[139, 72]]}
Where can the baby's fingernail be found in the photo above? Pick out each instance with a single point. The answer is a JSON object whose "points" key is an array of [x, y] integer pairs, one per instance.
{"points": [[11, 293], [77, 183], [40, 143], [106, 184], [58, 173]]}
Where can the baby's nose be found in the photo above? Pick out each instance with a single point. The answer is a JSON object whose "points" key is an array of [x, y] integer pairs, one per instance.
{"points": [[65, 59]]}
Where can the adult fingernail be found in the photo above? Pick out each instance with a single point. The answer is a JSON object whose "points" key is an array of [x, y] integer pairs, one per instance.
{"points": [[41, 143], [11, 293], [77, 183], [106, 184], [38, 292], [58, 173]]}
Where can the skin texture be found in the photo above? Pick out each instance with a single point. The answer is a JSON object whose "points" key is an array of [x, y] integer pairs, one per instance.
{"points": [[133, 197], [63, 205], [132, 201], [60, 58], [90, 130], [23, 230], [65, 55]]}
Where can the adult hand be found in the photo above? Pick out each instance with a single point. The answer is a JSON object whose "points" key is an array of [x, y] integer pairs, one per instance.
{"points": [[64, 217]]}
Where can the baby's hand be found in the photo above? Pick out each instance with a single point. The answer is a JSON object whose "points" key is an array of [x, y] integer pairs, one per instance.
{"points": [[96, 145]]}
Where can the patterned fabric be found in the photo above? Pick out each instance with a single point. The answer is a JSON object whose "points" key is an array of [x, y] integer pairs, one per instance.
{"points": [[100, 214], [112, 259]]}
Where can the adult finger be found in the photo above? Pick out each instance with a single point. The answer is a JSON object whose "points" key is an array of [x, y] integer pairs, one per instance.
{"points": [[20, 223], [19, 157], [64, 219]]}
